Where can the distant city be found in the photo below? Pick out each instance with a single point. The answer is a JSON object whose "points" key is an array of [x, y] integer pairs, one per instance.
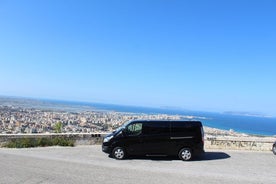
{"points": [[19, 116]]}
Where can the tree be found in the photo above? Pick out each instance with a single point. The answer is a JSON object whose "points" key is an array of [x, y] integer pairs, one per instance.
{"points": [[58, 127]]}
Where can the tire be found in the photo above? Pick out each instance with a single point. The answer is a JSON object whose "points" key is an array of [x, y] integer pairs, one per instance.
{"points": [[185, 154], [274, 149], [118, 153]]}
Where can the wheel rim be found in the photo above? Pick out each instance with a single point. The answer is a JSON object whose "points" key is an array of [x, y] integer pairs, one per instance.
{"points": [[274, 149], [119, 153], [186, 154]]}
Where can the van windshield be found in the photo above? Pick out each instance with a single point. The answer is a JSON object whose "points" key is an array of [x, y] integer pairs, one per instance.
{"points": [[121, 127], [125, 124]]}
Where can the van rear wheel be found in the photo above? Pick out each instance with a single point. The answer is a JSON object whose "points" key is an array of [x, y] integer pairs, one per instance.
{"points": [[118, 153], [274, 149], [185, 154]]}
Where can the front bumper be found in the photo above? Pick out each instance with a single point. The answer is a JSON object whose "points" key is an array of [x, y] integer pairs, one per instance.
{"points": [[106, 149]]}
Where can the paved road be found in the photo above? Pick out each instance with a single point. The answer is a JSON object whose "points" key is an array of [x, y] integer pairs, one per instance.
{"points": [[87, 164]]}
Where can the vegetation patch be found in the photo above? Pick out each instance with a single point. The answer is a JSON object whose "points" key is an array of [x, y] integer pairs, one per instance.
{"points": [[38, 142]]}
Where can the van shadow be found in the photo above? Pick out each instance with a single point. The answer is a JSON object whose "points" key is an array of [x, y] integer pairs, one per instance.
{"points": [[207, 156]]}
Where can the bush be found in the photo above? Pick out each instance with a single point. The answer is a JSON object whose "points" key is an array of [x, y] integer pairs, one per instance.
{"points": [[38, 142]]}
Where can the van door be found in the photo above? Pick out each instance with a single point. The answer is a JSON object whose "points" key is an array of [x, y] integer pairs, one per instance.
{"points": [[156, 137], [133, 139]]}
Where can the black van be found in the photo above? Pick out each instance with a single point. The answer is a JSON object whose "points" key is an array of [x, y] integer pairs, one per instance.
{"points": [[155, 137]]}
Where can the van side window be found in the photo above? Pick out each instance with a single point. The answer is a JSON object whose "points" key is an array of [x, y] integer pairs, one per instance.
{"points": [[182, 128], [134, 129], [156, 128]]}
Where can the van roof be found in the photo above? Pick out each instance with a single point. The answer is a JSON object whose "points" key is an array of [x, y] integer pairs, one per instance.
{"points": [[154, 120], [148, 121]]}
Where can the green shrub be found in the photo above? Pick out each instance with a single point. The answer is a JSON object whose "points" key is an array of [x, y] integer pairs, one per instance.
{"points": [[58, 127], [39, 142]]}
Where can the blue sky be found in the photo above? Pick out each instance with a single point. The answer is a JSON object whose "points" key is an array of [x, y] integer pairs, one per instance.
{"points": [[199, 55]]}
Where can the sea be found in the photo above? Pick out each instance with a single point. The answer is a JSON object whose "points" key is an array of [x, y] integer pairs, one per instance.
{"points": [[248, 124]]}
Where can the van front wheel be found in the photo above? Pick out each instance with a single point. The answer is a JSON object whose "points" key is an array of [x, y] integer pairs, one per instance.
{"points": [[118, 153], [185, 154]]}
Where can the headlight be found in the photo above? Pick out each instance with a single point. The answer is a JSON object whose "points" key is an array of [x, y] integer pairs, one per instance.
{"points": [[107, 139]]}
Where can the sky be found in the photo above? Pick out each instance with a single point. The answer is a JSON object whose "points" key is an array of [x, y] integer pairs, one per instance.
{"points": [[199, 55]]}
